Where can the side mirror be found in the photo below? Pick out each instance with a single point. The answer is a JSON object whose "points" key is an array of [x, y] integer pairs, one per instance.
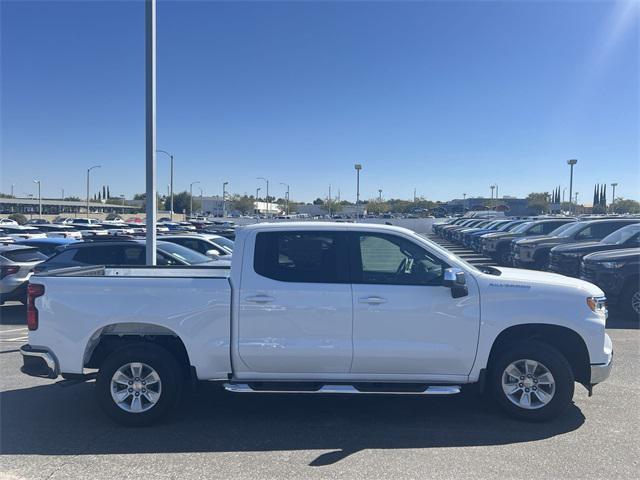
{"points": [[213, 254], [454, 278]]}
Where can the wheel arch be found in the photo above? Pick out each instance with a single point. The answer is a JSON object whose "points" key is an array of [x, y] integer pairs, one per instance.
{"points": [[568, 342], [115, 336]]}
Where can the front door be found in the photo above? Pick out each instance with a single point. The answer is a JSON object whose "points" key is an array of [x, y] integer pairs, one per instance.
{"points": [[404, 320], [295, 310]]}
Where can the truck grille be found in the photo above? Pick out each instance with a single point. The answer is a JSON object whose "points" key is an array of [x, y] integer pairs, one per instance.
{"points": [[565, 265], [587, 272]]}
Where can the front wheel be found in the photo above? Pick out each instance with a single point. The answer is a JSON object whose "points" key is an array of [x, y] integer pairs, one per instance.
{"points": [[532, 381], [630, 301], [138, 384]]}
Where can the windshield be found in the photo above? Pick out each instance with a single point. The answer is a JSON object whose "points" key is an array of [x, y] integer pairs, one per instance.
{"points": [[522, 227], [567, 229], [183, 253], [621, 236], [224, 243]]}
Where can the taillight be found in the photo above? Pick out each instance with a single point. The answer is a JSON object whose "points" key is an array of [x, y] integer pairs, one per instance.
{"points": [[34, 290], [8, 270]]}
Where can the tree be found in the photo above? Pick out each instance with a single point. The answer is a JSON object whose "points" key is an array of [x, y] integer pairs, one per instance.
{"points": [[622, 205], [72, 199], [18, 217], [182, 202], [140, 196], [242, 203], [318, 201], [538, 202], [108, 193], [376, 207]]}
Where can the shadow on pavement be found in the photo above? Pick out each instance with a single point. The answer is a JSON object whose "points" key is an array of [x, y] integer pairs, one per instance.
{"points": [[51, 420], [13, 313]]}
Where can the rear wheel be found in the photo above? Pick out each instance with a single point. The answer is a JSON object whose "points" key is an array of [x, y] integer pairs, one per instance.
{"points": [[139, 384], [630, 301], [532, 381]]}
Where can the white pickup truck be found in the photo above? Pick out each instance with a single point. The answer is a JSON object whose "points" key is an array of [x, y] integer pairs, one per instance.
{"points": [[320, 308]]}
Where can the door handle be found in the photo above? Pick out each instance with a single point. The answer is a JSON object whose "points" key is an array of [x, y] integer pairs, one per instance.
{"points": [[259, 299], [373, 300]]}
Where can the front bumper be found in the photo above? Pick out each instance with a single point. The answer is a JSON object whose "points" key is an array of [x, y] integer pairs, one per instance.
{"points": [[38, 362], [599, 373]]}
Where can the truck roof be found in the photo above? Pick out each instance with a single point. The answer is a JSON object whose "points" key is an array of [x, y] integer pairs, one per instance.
{"points": [[324, 226]]}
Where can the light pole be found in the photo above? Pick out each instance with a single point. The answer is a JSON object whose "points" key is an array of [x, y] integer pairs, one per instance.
{"points": [[224, 198], [613, 197], [170, 183], [358, 167], [577, 199], [329, 201], [191, 197], [267, 182], [492, 188], [414, 195], [39, 198], [287, 196], [12, 185], [257, 194], [380, 195], [563, 190], [571, 163], [200, 201], [88, 174]]}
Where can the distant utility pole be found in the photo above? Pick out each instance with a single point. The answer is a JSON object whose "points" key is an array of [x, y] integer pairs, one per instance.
{"points": [[12, 185], [414, 195], [200, 200], [224, 199], [492, 188], [613, 198], [62, 198], [286, 196], [563, 190], [571, 163], [88, 174], [358, 167], [170, 182], [329, 201], [380, 195], [191, 197], [39, 198], [267, 182]]}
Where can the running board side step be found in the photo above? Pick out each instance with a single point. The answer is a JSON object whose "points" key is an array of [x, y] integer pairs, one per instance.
{"points": [[347, 389]]}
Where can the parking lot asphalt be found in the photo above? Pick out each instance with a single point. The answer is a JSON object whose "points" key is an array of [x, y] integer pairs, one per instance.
{"points": [[51, 431]]}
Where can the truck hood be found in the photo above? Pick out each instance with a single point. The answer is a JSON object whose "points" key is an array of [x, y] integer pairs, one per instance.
{"points": [[628, 254], [522, 277], [585, 248], [547, 239]]}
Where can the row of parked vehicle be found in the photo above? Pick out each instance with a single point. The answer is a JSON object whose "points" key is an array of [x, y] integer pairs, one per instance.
{"points": [[21, 257], [602, 250]]}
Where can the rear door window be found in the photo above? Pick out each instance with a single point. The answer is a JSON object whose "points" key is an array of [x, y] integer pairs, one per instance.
{"points": [[311, 257], [24, 255]]}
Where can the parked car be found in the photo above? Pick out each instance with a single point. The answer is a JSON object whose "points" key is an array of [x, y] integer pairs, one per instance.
{"points": [[565, 259], [124, 253], [213, 246], [37, 221], [48, 246], [456, 234], [534, 252], [320, 308], [58, 231], [7, 221], [499, 245], [20, 231], [82, 222], [16, 266], [448, 231], [616, 272], [467, 234], [475, 241]]}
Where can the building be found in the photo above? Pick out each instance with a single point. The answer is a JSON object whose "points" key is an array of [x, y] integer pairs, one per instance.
{"points": [[57, 207]]}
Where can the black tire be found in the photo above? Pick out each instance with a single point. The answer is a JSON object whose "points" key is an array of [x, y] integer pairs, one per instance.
{"points": [[167, 368], [627, 300], [553, 360]]}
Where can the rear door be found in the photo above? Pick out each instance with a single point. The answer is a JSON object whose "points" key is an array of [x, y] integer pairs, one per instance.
{"points": [[295, 309]]}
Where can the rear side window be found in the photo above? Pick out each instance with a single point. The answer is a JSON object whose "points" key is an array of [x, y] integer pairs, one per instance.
{"points": [[101, 255], [24, 255], [551, 226], [311, 257], [536, 229]]}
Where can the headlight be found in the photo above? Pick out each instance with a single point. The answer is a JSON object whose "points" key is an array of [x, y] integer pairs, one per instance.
{"points": [[612, 264], [598, 305]]}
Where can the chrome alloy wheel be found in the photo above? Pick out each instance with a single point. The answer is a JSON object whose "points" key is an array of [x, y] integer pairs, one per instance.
{"points": [[635, 302], [528, 384], [136, 387]]}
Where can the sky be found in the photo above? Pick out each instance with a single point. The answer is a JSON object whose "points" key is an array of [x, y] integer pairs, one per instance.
{"points": [[444, 97]]}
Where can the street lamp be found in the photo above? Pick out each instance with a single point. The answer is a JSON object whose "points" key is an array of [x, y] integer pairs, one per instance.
{"points": [[613, 198], [492, 188], [191, 197], [39, 198], [88, 173], [329, 201], [287, 195], [170, 183], [358, 167], [267, 182], [224, 198], [571, 163], [256, 204]]}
